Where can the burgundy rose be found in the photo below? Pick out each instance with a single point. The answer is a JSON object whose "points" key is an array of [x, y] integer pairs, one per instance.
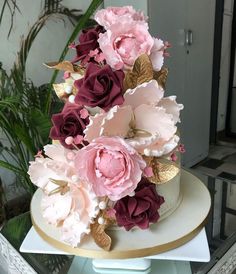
{"points": [[68, 123], [88, 40], [101, 86], [141, 209]]}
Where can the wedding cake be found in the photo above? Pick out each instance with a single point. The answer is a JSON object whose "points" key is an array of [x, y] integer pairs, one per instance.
{"points": [[114, 162]]}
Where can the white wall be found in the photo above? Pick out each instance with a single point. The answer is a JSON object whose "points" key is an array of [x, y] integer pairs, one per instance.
{"points": [[48, 44], [225, 63]]}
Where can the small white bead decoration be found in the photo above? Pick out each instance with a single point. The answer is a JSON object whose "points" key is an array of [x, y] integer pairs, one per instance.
{"points": [[71, 99], [102, 205], [101, 220], [132, 194], [68, 89], [147, 152], [74, 178]]}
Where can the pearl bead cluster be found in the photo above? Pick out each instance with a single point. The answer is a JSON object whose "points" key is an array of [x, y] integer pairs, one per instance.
{"points": [[102, 205]]}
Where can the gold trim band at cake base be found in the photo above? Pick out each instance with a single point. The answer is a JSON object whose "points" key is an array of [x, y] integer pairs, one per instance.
{"points": [[116, 254]]}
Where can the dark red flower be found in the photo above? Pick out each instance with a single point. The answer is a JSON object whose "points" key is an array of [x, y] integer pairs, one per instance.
{"points": [[88, 40], [101, 86], [141, 209], [68, 123]]}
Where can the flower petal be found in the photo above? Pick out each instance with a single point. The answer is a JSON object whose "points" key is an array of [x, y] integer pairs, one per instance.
{"points": [[93, 129], [149, 93], [56, 208], [162, 148], [156, 55], [155, 120], [171, 106], [117, 121]]}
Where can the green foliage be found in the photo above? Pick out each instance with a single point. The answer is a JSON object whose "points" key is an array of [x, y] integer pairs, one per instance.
{"points": [[25, 109]]}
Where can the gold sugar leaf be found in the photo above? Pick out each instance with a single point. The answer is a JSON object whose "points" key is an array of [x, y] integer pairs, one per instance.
{"points": [[142, 72], [101, 238], [161, 77], [65, 66], [162, 171], [60, 90]]}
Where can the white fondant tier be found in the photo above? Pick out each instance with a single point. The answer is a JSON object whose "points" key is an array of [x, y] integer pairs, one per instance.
{"points": [[171, 191], [172, 232]]}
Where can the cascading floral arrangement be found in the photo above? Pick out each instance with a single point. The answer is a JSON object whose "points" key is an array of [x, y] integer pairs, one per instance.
{"points": [[114, 124]]}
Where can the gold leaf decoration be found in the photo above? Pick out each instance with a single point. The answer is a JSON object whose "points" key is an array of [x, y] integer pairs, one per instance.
{"points": [[161, 77], [101, 238], [163, 170], [60, 90], [65, 66], [142, 72]]}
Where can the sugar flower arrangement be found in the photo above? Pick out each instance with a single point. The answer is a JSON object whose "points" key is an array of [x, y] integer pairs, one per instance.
{"points": [[114, 123]]}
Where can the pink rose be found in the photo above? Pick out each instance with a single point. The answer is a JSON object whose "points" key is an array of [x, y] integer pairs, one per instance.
{"points": [[124, 41], [111, 15], [112, 167]]}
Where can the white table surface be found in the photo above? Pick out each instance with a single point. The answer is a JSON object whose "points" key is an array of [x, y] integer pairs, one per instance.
{"points": [[195, 250]]}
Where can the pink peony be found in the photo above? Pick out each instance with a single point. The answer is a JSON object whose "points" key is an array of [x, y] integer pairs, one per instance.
{"points": [[157, 54], [124, 41], [74, 210], [112, 167], [111, 15]]}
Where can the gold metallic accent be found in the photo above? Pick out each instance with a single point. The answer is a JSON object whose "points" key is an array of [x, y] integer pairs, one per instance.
{"points": [[62, 188], [101, 238], [60, 90], [163, 170], [142, 72], [161, 77], [65, 66], [116, 254]]}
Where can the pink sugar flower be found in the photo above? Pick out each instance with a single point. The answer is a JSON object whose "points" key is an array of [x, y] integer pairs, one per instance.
{"points": [[112, 166], [124, 41], [111, 15]]}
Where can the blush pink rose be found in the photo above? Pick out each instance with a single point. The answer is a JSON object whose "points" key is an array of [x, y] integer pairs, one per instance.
{"points": [[112, 166], [111, 15], [124, 42]]}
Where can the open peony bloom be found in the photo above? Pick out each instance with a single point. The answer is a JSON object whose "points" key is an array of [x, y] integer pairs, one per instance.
{"points": [[111, 15], [57, 166], [112, 166], [73, 210], [124, 41], [146, 120]]}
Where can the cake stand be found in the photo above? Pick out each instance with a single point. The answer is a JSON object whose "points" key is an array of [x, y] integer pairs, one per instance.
{"points": [[176, 230]]}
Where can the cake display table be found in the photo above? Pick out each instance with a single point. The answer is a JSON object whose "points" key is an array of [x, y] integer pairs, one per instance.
{"points": [[173, 233]]}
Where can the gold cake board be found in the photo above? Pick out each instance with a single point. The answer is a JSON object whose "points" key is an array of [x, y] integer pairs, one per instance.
{"points": [[177, 229]]}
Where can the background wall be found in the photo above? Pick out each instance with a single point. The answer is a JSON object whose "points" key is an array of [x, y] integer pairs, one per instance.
{"points": [[225, 63], [48, 44]]}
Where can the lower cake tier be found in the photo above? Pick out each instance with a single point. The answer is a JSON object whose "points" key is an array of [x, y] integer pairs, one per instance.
{"points": [[183, 224], [171, 191]]}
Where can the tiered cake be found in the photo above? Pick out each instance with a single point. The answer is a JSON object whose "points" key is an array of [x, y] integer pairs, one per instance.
{"points": [[115, 157]]}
